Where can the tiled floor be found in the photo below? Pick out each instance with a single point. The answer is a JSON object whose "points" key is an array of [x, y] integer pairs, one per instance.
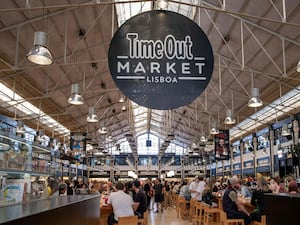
{"points": [[168, 217]]}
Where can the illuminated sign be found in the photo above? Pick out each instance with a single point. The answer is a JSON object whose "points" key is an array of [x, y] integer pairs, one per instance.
{"points": [[161, 59]]}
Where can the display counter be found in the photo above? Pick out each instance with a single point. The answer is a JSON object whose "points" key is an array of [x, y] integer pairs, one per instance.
{"points": [[282, 208], [61, 210]]}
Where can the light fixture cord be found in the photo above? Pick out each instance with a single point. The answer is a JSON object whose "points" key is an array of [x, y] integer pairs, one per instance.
{"points": [[252, 79]]}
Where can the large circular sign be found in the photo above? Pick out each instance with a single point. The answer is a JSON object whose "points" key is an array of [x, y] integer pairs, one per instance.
{"points": [[161, 59]]}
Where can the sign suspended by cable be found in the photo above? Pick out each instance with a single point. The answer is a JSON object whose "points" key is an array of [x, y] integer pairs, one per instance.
{"points": [[161, 59]]}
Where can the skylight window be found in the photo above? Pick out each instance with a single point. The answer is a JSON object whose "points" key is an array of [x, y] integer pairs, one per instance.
{"points": [[279, 107], [128, 10], [9, 97]]}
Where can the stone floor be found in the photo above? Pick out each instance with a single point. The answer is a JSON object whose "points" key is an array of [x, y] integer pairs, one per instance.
{"points": [[167, 217]]}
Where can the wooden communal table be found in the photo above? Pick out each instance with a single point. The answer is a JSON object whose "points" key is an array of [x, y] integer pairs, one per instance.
{"points": [[245, 201], [105, 210]]}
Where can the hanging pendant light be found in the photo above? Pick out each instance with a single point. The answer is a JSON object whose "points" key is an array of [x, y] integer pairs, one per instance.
{"points": [[229, 119], [121, 99], [92, 117], [255, 100], [40, 54], [162, 4], [203, 139], [75, 98], [298, 67], [214, 129], [102, 129]]}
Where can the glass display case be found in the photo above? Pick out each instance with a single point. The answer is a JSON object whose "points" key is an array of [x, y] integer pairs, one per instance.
{"points": [[22, 162]]}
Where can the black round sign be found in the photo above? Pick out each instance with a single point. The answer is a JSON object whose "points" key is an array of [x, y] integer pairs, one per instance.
{"points": [[161, 59]]}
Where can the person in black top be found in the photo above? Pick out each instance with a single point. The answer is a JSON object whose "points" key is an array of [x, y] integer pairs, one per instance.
{"points": [[140, 200], [158, 194], [69, 188], [232, 205], [257, 199], [147, 190]]}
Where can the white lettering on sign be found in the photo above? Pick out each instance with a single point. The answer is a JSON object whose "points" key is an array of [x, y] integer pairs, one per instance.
{"points": [[149, 49], [158, 70]]}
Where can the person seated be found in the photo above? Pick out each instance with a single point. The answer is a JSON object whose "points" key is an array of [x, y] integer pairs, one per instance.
{"points": [[257, 199], [62, 189], [233, 207], [293, 187], [140, 200], [121, 203], [245, 189], [216, 187]]}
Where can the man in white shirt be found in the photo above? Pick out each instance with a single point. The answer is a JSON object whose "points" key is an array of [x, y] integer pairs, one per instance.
{"points": [[121, 202], [200, 188], [193, 187]]}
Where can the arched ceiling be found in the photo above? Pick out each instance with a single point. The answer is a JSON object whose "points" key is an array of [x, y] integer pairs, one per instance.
{"points": [[255, 43]]}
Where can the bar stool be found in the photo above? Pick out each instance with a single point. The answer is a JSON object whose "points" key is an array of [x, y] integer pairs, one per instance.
{"points": [[192, 210], [262, 222], [211, 215], [225, 221], [220, 203], [128, 220], [199, 214], [182, 208], [144, 221]]}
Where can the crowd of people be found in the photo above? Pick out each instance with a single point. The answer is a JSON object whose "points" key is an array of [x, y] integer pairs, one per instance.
{"points": [[139, 196]]}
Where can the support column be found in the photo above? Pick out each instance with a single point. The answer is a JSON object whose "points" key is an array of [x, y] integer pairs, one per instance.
{"points": [[111, 170], [181, 169], [272, 141], [295, 136], [242, 147], [254, 153], [295, 131]]}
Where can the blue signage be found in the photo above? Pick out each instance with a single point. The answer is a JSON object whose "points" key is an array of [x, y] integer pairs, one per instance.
{"points": [[161, 59]]}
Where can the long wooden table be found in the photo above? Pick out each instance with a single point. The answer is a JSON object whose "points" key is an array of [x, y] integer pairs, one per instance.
{"points": [[246, 202], [105, 211]]}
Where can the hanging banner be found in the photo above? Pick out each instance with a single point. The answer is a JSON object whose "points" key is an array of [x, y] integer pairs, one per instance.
{"points": [[161, 59], [222, 150], [78, 143]]}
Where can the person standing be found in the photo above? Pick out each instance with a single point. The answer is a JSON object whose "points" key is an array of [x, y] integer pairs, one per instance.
{"points": [[158, 195], [140, 200], [147, 190], [121, 203], [200, 188], [167, 194], [193, 187]]}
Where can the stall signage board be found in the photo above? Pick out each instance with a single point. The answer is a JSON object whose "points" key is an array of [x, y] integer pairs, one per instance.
{"points": [[161, 59]]}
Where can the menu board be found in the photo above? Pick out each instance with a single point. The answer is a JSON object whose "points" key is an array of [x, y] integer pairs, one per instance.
{"points": [[78, 141], [222, 150]]}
